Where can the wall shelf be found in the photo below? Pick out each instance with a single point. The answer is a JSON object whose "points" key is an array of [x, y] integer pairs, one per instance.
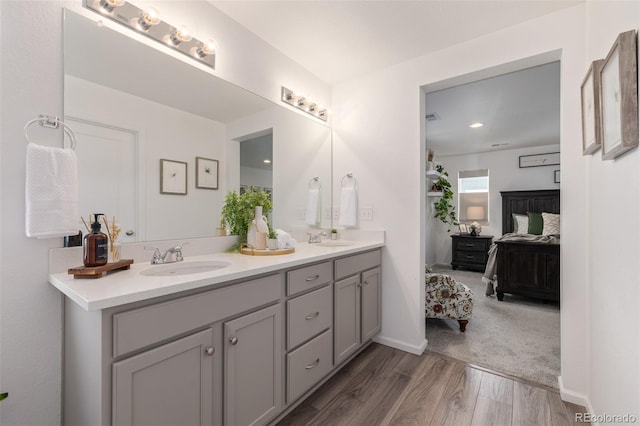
{"points": [[434, 194], [433, 174]]}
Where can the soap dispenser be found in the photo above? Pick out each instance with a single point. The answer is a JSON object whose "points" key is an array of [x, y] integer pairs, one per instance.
{"points": [[95, 245]]}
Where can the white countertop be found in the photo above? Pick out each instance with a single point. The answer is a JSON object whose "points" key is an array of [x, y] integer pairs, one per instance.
{"points": [[127, 286]]}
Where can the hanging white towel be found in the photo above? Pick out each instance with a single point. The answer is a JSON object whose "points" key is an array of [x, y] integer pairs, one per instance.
{"points": [[311, 216], [348, 207], [51, 192]]}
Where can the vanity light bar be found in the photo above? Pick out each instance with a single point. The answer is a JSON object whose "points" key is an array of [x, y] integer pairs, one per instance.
{"points": [[304, 104], [148, 23]]}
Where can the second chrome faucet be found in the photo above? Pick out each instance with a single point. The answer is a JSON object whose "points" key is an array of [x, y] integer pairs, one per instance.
{"points": [[158, 258]]}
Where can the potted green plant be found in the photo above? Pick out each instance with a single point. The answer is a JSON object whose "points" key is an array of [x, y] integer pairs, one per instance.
{"points": [[334, 234], [444, 209], [239, 210], [272, 240]]}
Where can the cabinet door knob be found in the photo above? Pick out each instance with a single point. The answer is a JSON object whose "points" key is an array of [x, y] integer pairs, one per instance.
{"points": [[313, 364], [129, 232], [315, 277], [359, 284], [365, 282], [312, 316], [233, 340], [210, 350]]}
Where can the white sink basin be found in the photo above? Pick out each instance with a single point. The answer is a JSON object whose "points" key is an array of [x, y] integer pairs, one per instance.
{"points": [[335, 243], [184, 268]]}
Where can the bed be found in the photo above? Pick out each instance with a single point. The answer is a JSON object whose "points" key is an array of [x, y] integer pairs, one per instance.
{"points": [[528, 268]]}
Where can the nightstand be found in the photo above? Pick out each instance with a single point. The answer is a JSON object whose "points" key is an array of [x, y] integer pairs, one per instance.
{"points": [[470, 252]]}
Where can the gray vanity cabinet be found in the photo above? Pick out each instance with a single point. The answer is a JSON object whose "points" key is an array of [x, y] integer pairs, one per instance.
{"points": [[357, 302], [252, 366], [168, 385]]}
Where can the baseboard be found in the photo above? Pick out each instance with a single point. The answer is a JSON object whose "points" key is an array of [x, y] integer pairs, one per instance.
{"points": [[574, 397], [403, 346]]}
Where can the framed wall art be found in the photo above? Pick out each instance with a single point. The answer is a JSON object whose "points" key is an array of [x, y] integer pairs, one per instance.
{"points": [[539, 160], [206, 173], [173, 177], [590, 95], [619, 97]]}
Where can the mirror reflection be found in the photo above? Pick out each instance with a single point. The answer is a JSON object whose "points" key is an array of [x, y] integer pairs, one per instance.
{"points": [[132, 106]]}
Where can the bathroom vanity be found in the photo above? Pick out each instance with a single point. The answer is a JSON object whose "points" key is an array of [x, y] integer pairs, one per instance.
{"points": [[240, 344]]}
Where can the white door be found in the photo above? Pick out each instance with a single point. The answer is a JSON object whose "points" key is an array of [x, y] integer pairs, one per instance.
{"points": [[107, 175]]}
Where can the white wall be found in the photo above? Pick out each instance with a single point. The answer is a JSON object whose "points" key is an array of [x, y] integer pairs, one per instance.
{"points": [[613, 287], [504, 175], [377, 136], [32, 74], [250, 176]]}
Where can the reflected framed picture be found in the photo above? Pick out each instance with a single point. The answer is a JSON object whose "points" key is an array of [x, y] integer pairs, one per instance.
{"points": [[243, 189], [173, 177], [463, 228], [268, 191], [539, 160], [590, 95], [206, 173], [619, 97]]}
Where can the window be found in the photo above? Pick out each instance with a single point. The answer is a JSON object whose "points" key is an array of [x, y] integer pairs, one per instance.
{"points": [[473, 196]]}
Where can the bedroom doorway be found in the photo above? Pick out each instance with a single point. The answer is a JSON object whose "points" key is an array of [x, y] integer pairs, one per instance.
{"points": [[515, 113]]}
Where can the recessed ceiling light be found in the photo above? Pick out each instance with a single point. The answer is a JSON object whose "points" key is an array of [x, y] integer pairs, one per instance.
{"points": [[267, 161], [476, 125]]}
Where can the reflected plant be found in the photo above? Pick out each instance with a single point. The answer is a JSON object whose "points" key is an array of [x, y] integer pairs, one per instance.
{"points": [[443, 208]]}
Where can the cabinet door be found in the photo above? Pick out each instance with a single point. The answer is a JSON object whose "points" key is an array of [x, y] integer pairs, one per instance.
{"points": [[347, 317], [253, 364], [371, 306], [169, 385]]}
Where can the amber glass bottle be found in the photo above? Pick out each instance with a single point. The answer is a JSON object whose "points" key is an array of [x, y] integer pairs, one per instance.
{"points": [[96, 245]]}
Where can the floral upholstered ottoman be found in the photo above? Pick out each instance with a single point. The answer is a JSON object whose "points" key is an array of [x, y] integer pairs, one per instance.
{"points": [[445, 298]]}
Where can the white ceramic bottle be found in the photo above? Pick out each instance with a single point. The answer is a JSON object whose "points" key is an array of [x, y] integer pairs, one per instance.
{"points": [[258, 230]]}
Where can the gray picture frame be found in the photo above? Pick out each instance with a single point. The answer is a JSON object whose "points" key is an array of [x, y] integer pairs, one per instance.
{"points": [[619, 97], [207, 173], [539, 160], [590, 99], [173, 177]]}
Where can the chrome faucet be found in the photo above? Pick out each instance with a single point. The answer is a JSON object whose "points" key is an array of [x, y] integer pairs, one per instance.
{"points": [[162, 258], [316, 238]]}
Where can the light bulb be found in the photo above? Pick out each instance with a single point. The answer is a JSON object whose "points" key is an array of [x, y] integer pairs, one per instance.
{"points": [[204, 50], [180, 35], [147, 19], [109, 5]]}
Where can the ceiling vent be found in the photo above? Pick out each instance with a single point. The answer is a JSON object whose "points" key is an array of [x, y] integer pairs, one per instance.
{"points": [[432, 117]]}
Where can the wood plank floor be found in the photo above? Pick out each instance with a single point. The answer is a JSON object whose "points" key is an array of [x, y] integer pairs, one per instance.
{"points": [[385, 386]]}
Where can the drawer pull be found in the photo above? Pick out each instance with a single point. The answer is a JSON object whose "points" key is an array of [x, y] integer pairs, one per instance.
{"points": [[312, 316], [233, 341], [469, 257], [210, 350], [315, 277], [313, 364], [470, 245], [365, 282]]}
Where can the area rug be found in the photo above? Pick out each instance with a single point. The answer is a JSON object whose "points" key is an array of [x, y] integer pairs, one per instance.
{"points": [[518, 336]]}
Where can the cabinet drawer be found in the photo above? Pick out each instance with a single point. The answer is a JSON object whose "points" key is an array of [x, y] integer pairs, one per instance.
{"points": [[141, 327], [308, 364], [309, 277], [470, 257], [360, 262], [470, 244], [308, 315]]}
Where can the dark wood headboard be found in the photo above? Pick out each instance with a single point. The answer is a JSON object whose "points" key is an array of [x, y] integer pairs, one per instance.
{"points": [[521, 202]]}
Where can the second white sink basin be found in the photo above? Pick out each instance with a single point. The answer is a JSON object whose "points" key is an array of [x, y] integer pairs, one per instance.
{"points": [[184, 268], [335, 243]]}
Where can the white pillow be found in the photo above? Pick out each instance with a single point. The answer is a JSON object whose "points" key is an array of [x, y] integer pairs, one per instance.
{"points": [[550, 224], [520, 223]]}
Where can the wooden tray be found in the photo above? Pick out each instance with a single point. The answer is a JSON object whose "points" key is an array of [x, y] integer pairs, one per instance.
{"points": [[245, 249], [98, 271]]}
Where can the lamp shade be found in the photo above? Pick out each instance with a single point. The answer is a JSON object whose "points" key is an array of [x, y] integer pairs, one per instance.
{"points": [[475, 213]]}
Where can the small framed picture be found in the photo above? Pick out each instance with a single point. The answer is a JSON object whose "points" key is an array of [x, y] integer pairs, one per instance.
{"points": [[243, 189], [173, 177], [268, 191], [206, 173], [556, 176], [619, 97], [463, 228], [590, 94], [539, 160]]}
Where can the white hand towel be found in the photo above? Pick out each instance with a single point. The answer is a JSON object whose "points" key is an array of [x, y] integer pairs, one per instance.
{"points": [[285, 240], [348, 207], [313, 203], [51, 192]]}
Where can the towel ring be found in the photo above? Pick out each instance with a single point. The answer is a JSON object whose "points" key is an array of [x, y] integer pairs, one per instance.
{"points": [[348, 176], [314, 179], [52, 123]]}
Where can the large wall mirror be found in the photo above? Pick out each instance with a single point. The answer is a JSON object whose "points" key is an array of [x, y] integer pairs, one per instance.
{"points": [[132, 106]]}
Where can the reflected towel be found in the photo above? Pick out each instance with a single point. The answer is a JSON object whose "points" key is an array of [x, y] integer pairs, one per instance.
{"points": [[285, 240], [51, 192], [313, 207], [348, 207]]}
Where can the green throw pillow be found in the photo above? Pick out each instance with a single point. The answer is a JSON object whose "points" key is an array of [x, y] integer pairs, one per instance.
{"points": [[535, 223]]}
